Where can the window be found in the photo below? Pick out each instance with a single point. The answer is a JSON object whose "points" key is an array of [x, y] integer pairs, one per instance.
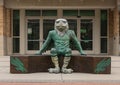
{"points": [[33, 32], [70, 12], [16, 31], [87, 34], [87, 13], [49, 12], [32, 12], [78, 13], [103, 23], [38, 12], [103, 31]]}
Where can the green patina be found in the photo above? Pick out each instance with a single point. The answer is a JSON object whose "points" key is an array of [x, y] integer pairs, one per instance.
{"points": [[61, 38], [101, 66], [61, 43], [19, 66]]}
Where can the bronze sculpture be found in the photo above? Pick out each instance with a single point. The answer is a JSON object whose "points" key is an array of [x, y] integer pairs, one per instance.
{"points": [[61, 37]]}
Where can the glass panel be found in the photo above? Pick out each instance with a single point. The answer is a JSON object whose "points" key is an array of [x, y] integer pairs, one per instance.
{"points": [[70, 12], [72, 25], [87, 13], [103, 23], [86, 31], [87, 45], [33, 45], [49, 13], [16, 45], [103, 45], [33, 29], [16, 14], [47, 26], [16, 23], [33, 34], [32, 12]]}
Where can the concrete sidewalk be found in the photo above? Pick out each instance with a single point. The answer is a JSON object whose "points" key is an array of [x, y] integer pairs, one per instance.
{"points": [[114, 77]]}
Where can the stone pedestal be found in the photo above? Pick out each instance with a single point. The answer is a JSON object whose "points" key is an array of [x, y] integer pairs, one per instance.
{"points": [[41, 63]]}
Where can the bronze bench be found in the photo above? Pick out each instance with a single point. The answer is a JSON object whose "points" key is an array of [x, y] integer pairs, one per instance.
{"points": [[41, 63]]}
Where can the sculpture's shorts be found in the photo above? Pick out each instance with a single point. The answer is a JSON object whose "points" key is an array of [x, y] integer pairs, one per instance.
{"points": [[67, 52]]}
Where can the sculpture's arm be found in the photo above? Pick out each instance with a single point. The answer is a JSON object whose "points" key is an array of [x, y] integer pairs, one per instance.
{"points": [[77, 43], [46, 44]]}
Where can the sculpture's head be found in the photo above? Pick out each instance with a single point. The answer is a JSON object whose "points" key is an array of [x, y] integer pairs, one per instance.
{"points": [[61, 25]]}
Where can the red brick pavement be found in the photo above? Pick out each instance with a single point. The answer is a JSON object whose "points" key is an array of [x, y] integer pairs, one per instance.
{"points": [[60, 83]]}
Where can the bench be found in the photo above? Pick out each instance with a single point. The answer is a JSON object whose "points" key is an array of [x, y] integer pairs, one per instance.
{"points": [[41, 63]]}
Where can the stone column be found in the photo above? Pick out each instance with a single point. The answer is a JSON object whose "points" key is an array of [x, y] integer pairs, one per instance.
{"points": [[2, 26], [7, 32], [111, 26], [116, 31]]}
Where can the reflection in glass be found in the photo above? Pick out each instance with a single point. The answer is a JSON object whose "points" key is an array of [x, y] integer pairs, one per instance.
{"points": [[16, 23], [103, 20], [72, 25], [47, 26], [33, 25], [33, 34], [103, 45], [86, 34], [16, 45], [16, 31], [32, 12], [86, 45], [33, 45]]}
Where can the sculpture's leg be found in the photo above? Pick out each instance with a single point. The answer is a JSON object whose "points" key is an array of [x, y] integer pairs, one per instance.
{"points": [[54, 59], [66, 61]]}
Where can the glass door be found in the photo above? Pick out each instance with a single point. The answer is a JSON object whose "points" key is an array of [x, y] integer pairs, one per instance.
{"points": [[72, 26], [33, 35], [48, 25], [86, 35]]}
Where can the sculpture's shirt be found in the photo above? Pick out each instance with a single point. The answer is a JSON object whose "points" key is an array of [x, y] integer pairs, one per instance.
{"points": [[60, 42]]}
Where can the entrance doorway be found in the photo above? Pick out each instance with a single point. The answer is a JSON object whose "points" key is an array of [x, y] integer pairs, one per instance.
{"points": [[33, 35], [87, 34], [37, 31]]}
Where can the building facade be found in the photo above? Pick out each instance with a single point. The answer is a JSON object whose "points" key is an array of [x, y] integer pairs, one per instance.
{"points": [[24, 24]]}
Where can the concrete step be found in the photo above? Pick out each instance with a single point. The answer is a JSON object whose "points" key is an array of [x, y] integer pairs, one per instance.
{"points": [[4, 58], [4, 63], [115, 64]]}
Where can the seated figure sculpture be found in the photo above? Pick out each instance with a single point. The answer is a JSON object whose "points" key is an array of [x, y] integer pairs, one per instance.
{"points": [[61, 36]]}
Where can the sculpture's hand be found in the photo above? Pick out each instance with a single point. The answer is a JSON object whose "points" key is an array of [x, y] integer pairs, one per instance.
{"points": [[82, 53], [38, 53]]}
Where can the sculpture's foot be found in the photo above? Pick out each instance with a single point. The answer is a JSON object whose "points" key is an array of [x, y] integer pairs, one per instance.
{"points": [[67, 71], [54, 70]]}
